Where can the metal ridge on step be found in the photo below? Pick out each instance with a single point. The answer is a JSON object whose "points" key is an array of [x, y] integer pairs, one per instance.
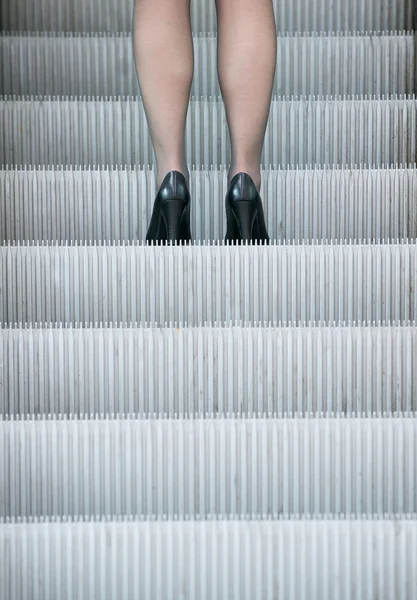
{"points": [[163, 246], [212, 169], [98, 203], [287, 518], [196, 371], [101, 325], [103, 65], [217, 99], [115, 131], [209, 35], [199, 467], [116, 417]]}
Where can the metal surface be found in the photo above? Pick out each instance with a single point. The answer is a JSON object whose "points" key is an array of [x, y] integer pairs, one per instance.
{"points": [[318, 560], [115, 204], [280, 418], [307, 64], [194, 284], [298, 15], [175, 467], [224, 369], [115, 132]]}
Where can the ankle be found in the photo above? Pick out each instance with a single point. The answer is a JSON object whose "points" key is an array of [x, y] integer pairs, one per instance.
{"points": [[254, 174], [161, 174]]}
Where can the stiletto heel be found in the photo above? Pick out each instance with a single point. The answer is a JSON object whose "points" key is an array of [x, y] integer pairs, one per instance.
{"points": [[244, 211], [174, 215], [170, 221]]}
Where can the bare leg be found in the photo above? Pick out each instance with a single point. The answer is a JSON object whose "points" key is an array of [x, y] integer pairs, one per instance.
{"points": [[246, 60], [165, 62]]}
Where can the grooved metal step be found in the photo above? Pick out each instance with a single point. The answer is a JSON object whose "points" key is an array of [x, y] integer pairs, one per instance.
{"points": [[114, 132], [319, 560], [194, 284], [195, 468], [103, 65], [208, 421], [115, 204], [198, 371], [116, 15]]}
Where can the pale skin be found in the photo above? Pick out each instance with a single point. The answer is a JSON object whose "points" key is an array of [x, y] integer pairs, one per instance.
{"points": [[246, 67]]}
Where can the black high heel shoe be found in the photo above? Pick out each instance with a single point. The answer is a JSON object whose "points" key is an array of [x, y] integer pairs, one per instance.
{"points": [[244, 211], [170, 219]]}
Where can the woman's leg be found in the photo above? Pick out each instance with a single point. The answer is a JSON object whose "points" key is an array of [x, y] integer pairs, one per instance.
{"points": [[246, 60], [164, 57]]}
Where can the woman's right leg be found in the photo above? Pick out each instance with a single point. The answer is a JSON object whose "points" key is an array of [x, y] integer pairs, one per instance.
{"points": [[163, 49]]}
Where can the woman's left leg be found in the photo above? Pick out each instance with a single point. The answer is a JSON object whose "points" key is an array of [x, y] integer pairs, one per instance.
{"points": [[246, 62]]}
